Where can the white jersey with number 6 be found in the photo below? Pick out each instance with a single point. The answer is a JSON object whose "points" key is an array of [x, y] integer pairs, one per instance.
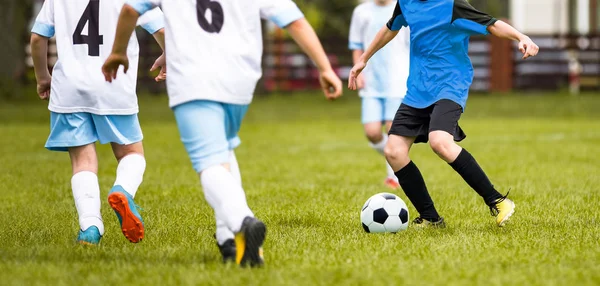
{"points": [[214, 48], [85, 31]]}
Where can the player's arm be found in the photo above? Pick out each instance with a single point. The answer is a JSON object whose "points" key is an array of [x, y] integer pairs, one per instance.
{"points": [[161, 62], [305, 36], [42, 31], [384, 36], [355, 42], [506, 31], [118, 57], [39, 55], [473, 21]]}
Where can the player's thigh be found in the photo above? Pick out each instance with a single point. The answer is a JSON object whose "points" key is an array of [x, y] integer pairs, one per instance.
{"points": [[445, 116], [118, 129], [202, 129], [234, 115], [372, 110], [70, 130], [411, 122]]}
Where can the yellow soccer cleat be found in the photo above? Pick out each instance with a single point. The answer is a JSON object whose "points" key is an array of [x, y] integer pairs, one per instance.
{"points": [[248, 243], [502, 209], [421, 223]]}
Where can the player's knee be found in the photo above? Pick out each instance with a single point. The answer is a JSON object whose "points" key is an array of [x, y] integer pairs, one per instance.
{"points": [[394, 153], [373, 134], [442, 146]]}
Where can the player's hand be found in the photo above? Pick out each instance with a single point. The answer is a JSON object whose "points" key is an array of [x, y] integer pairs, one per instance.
{"points": [[360, 81], [112, 64], [43, 88], [354, 74], [161, 63], [331, 84], [528, 47]]}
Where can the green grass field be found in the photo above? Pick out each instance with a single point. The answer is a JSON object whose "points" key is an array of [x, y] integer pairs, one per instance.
{"points": [[307, 170]]}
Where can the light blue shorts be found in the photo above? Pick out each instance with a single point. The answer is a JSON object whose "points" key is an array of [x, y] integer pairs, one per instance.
{"points": [[379, 109], [81, 128], [209, 130]]}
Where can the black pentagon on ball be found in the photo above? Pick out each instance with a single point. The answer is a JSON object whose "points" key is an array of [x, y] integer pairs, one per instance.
{"points": [[389, 196], [403, 215], [380, 215], [365, 227]]}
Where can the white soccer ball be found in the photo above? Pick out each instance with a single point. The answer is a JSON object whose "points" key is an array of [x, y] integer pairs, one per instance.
{"points": [[384, 212]]}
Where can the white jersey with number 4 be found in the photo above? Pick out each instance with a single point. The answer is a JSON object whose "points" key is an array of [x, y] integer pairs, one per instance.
{"points": [[85, 31], [387, 71], [214, 48]]}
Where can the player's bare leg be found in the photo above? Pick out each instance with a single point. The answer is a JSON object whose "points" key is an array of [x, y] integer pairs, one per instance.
{"points": [[411, 180], [130, 174], [378, 141], [464, 164], [86, 192]]}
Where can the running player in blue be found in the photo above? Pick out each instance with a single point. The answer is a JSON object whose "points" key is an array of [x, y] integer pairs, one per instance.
{"points": [[438, 84]]}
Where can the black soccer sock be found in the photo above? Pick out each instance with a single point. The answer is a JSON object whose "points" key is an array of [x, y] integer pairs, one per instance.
{"points": [[412, 183], [471, 172]]}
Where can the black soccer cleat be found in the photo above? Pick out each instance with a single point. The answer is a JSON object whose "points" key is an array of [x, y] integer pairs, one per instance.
{"points": [[227, 250], [249, 241]]}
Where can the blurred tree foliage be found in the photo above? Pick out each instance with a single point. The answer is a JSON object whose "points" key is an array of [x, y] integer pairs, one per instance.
{"points": [[330, 18], [15, 16]]}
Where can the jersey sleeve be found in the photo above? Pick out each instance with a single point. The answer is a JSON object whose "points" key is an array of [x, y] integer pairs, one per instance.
{"points": [[44, 23], [397, 21], [467, 18], [152, 21], [143, 6], [280, 12], [355, 38]]}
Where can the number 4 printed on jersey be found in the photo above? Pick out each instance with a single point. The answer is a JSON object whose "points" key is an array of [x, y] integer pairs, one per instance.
{"points": [[93, 39], [217, 15]]}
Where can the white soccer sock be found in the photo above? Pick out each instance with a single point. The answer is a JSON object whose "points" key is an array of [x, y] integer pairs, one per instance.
{"points": [[225, 196], [86, 192], [223, 233], [130, 173], [234, 167], [379, 148]]}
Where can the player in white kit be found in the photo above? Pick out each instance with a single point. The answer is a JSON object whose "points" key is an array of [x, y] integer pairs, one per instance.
{"points": [[214, 51], [84, 108], [382, 85]]}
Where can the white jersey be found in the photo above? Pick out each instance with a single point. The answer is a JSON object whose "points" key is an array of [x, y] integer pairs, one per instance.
{"points": [[214, 48], [85, 31], [387, 71]]}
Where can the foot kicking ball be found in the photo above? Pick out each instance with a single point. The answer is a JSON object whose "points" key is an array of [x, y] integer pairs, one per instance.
{"points": [[384, 212]]}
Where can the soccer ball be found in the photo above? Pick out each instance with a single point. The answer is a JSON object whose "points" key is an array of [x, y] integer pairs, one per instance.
{"points": [[384, 212]]}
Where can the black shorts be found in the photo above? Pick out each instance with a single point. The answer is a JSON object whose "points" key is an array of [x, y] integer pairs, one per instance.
{"points": [[418, 122]]}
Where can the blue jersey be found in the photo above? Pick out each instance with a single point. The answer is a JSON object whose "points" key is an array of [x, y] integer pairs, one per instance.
{"points": [[440, 67]]}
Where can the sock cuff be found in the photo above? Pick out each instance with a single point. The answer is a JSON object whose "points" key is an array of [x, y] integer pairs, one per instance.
{"points": [[380, 144], [461, 159], [406, 170], [134, 158], [83, 177]]}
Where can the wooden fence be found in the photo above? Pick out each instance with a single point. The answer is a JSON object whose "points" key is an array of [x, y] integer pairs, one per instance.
{"points": [[497, 64]]}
